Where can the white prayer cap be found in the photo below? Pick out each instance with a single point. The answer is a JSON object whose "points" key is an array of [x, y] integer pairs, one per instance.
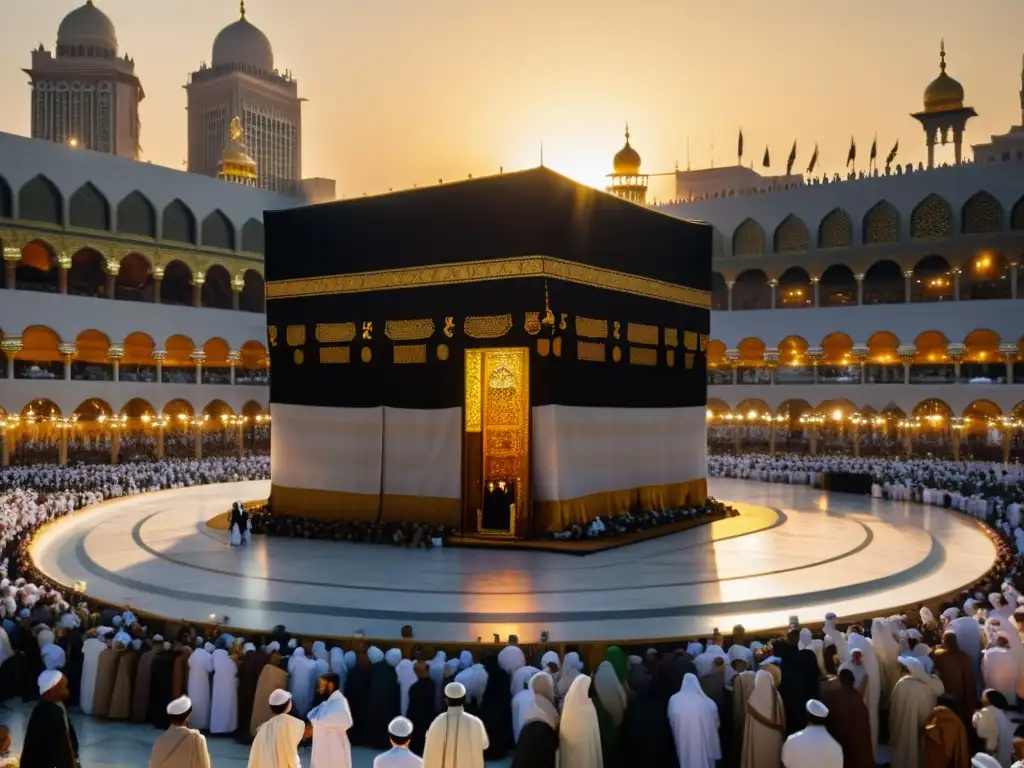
{"points": [[209, 648], [279, 697], [551, 657], [199, 642], [116, 621], [166, 646], [950, 613], [634, 660], [400, 727], [101, 631], [273, 647], [816, 708], [123, 638], [392, 657], [249, 647], [375, 654], [293, 643], [179, 706], [455, 691], [981, 760], [158, 638], [48, 679]]}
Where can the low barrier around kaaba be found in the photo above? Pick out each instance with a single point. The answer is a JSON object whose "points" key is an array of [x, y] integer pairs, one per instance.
{"points": [[505, 356]]}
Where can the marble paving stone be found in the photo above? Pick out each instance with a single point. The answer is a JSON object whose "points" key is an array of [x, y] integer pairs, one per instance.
{"points": [[793, 550]]}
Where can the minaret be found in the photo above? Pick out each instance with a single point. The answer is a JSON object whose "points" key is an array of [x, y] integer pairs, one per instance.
{"points": [[944, 111], [626, 180], [236, 166]]}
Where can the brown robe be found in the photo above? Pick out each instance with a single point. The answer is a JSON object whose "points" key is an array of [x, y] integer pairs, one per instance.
{"points": [[179, 678], [180, 748], [106, 676], [849, 723], [248, 677], [945, 740], [271, 678], [140, 697], [124, 685], [956, 671]]}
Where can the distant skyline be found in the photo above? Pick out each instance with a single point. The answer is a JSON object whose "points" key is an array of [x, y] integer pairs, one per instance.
{"points": [[403, 92]]}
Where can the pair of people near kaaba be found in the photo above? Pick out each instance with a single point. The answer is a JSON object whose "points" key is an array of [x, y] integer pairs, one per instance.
{"points": [[239, 525]]}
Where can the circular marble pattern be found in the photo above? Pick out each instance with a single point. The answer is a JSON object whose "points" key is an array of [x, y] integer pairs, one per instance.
{"points": [[792, 551]]}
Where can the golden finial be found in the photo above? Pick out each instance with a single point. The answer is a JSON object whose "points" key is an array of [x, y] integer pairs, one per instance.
{"points": [[236, 129], [942, 55], [241, 8], [549, 316], [627, 132]]}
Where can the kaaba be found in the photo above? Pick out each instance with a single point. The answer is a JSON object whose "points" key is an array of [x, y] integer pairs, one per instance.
{"points": [[505, 356]]}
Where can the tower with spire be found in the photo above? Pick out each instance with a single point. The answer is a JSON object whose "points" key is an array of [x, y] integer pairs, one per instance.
{"points": [[625, 180], [944, 112]]}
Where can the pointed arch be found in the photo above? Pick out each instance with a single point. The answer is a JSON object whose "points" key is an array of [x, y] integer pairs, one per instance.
{"points": [[981, 213], [748, 239], [932, 281], [932, 217], [838, 287], [40, 200], [883, 283], [986, 276], [176, 286], [218, 231], [791, 236], [253, 236], [1017, 216], [835, 230], [86, 276], [216, 291], [254, 292], [6, 200], [794, 290], [38, 269], [135, 279], [881, 224], [179, 223], [136, 215], [89, 209], [751, 291]]}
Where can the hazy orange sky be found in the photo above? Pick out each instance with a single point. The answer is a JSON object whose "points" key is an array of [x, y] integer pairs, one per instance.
{"points": [[409, 91]]}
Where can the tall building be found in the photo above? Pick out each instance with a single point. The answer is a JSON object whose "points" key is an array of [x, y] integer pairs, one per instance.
{"points": [[86, 95], [242, 82]]}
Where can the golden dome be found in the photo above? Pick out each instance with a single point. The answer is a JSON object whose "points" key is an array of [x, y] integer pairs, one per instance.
{"points": [[627, 159], [943, 92]]}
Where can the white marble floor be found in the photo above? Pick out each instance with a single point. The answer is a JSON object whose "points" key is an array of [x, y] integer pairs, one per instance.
{"points": [[795, 551]]}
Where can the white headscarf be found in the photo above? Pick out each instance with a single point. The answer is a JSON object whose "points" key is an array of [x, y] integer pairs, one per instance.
{"points": [[392, 657], [375, 654], [521, 678], [551, 657], [320, 651], [543, 706], [764, 697], [474, 680], [406, 678], [610, 692], [579, 737], [571, 666], [465, 660], [511, 658]]}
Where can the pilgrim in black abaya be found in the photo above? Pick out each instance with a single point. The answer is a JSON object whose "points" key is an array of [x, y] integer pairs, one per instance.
{"points": [[248, 677], [537, 746], [496, 709], [161, 689], [421, 712], [72, 645], [645, 738], [357, 692], [800, 678], [383, 705]]}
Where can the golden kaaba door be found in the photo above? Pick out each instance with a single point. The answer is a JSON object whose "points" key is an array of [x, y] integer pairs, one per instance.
{"points": [[496, 464]]}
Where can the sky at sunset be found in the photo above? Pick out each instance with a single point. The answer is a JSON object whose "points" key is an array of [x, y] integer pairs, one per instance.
{"points": [[410, 91]]}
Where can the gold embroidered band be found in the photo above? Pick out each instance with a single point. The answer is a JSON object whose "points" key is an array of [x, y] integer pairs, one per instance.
{"points": [[487, 326], [296, 335], [643, 356], [411, 353], [637, 333], [591, 329], [590, 350], [335, 333], [409, 330], [334, 355]]}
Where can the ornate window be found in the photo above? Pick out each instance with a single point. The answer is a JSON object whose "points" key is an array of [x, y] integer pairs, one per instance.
{"points": [[748, 239], [836, 230], [791, 236], [933, 217], [40, 200], [881, 224], [89, 208], [982, 213]]}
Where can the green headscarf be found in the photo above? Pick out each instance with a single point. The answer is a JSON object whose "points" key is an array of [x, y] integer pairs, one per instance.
{"points": [[617, 659]]}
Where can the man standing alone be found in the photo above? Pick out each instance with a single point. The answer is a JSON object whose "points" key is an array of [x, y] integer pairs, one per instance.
{"points": [[50, 739], [331, 721], [180, 746]]}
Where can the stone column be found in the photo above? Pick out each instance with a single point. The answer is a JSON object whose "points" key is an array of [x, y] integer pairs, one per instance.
{"points": [[733, 358], [198, 278], [198, 356], [240, 422], [115, 353], [67, 349], [859, 277], [907, 353], [159, 355], [737, 435], [234, 358], [160, 438], [63, 455], [237, 286], [729, 284], [1009, 352], [198, 432], [771, 359], [771, 439], [856, 439], [816, 355], [11, 346], [958, 141], [5, 449], [860, 352], [956, 283], [158, 279], [12, 256], [907, 277], [816, 285], [64, 265], [955, 351], [1013, 281], [115, 444], [1007, 439], [814, 439], [774, 285], [112, 269]]}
